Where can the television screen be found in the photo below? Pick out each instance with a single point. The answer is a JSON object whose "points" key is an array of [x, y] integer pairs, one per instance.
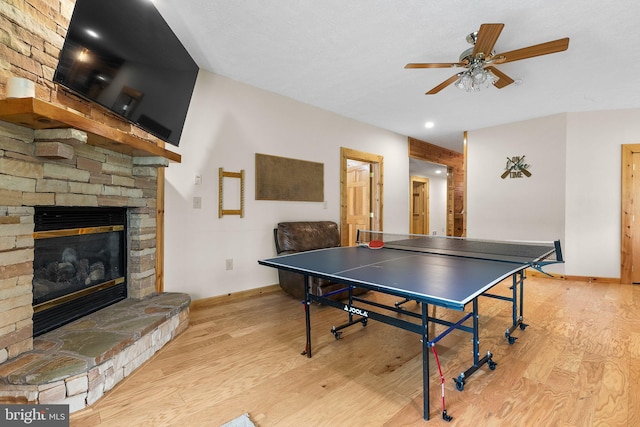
{"points": [[122, 55]]}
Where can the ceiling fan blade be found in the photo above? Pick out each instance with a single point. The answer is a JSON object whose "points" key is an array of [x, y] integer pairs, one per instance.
{"points": [[443, 85], [536, 50], [487, 36], [503, 79], [436, 65]]}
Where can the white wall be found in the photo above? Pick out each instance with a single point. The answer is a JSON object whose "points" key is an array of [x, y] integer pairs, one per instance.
{"points": [[593, 214], [517, 208], [228, 122], [574, 191]]}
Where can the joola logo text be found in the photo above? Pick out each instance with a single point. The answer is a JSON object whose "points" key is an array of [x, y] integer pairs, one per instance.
{"points": [[357, 311]]}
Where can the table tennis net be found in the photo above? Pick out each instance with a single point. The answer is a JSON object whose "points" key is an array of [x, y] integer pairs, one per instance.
{"points": [[511, 251]]}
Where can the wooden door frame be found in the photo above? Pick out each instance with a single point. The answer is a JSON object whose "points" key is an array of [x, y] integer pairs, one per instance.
{"points": [[627, 249], [377, 167], [425, 181]]}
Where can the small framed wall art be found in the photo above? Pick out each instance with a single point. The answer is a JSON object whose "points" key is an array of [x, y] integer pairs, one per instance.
{"points": [[222, 175]]}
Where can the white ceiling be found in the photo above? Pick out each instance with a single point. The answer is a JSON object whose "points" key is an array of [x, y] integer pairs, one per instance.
{"points": [[348, 56]]}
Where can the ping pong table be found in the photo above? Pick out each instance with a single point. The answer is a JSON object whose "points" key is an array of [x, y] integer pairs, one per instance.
{"points": [[448, 272]]}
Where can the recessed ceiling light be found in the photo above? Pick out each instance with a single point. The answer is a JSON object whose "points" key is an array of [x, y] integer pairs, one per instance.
{"points": [[93, 33], [429, 125]]}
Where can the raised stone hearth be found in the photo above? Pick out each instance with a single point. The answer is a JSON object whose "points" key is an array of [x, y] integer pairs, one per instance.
{"points": [[77, 363]]}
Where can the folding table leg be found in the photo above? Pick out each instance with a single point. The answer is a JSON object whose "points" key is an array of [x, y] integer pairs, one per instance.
{"points": [[477, 361], [517, 321], [425, 361], [307, 316]]}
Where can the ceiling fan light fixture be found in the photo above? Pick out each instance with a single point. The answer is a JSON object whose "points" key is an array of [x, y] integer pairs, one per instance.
{"points": [[465, 81], [491, 78], [478, 74], [474, 78]]}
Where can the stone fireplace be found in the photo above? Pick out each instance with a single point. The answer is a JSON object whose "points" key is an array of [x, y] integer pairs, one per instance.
{"points": [[85, 176], [57, 169]]}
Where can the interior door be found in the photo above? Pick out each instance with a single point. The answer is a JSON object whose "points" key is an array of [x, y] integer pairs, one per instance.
{"points": [[358, 198], [419, 205], [630, 230], [635, 190], [358, 191], [635, 218]]}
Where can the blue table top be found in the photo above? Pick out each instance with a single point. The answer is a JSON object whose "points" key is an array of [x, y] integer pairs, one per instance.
{"points": [[449, 281]]}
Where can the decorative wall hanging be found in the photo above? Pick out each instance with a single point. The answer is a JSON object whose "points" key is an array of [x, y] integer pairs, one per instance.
{"points": [[516, 168], [221, 176], [281, 178]]}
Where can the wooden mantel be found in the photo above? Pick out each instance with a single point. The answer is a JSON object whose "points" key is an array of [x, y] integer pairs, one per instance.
{"points": [[37, 114]]}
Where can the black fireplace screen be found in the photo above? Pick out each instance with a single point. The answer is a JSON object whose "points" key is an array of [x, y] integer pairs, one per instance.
{"points": [[68, 264], [79, 263]]}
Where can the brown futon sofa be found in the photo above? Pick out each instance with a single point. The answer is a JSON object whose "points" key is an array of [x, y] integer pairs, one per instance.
{"points": [[291, 237]]}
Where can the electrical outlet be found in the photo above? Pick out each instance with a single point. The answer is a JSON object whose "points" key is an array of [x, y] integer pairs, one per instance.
{"points": [[229, 264], [197, 202]]}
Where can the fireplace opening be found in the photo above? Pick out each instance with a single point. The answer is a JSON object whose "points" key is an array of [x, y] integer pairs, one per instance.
{"points": [[79, 263]]}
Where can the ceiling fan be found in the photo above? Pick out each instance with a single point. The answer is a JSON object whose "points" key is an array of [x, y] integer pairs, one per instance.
{"points": [[480, 59]]}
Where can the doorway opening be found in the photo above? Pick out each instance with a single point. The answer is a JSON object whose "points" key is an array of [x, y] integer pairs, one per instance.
{"points": [[419, 206], [361, 184], [432, 200], [455, 164]]}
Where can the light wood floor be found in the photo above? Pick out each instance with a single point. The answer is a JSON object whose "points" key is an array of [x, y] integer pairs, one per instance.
{"points": [[577, 364]]}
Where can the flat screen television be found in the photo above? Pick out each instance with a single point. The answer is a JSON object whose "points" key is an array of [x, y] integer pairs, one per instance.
{"points": [[122, 55]]}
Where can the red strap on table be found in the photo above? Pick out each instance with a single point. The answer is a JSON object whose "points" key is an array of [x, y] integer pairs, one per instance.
{"points": [[444, 410]]}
